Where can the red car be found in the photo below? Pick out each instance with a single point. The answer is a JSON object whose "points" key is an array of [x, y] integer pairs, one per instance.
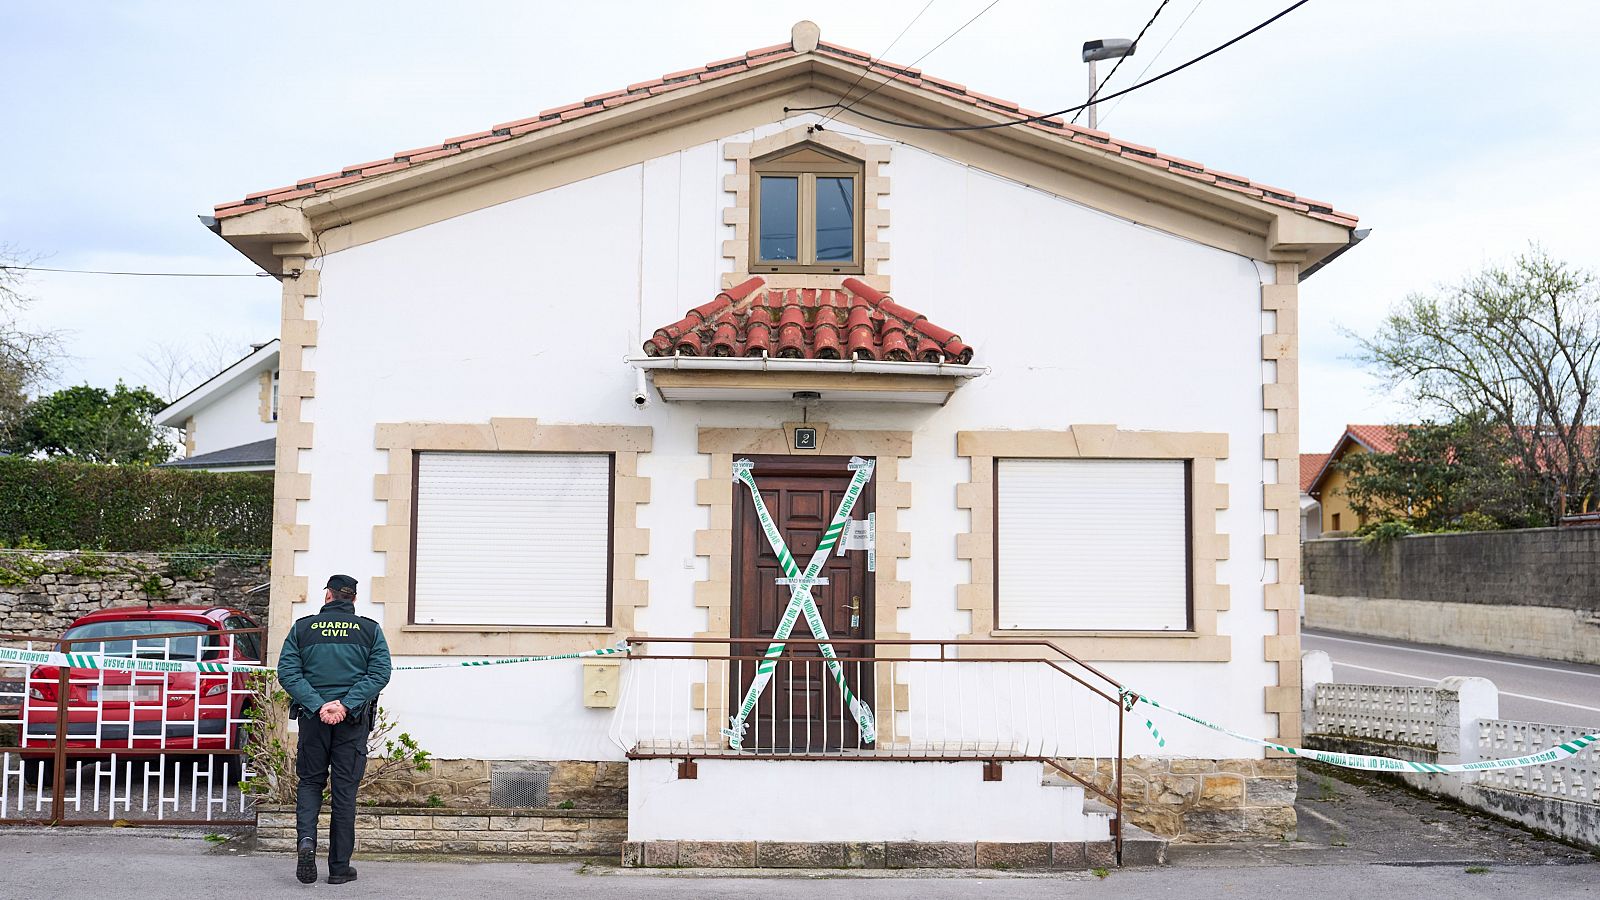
{"points": [[116, 710]]}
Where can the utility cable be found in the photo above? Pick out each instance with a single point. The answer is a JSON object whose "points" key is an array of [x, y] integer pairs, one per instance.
{"points": [[1192, 10], [843, 108], [1132, 49], [886, 51], [145, 274], [1060, 112]]}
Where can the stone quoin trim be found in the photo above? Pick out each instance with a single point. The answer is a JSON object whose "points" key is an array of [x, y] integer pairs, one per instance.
{"points": [[290, 485], [1280, 398], [265, 410], [715, 543], [874, 218], [392, 590], [1208, 547]]}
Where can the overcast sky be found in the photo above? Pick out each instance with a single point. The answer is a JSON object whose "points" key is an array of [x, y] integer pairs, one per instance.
{"points": [[1459, 132]]}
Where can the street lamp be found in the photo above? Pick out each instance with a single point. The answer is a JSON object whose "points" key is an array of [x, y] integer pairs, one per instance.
{"points": [[1093, 52]]}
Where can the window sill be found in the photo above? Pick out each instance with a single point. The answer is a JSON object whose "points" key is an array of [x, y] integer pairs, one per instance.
{"points": [[508, 629], [1062, 633]]}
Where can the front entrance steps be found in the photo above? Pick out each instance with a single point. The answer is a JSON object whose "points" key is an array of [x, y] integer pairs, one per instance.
{"points": [[867, 814]]}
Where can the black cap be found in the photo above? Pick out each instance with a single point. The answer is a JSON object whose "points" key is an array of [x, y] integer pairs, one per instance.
{"points": [[342, 584]]}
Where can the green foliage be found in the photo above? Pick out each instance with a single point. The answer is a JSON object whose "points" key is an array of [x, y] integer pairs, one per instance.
{"points": [[151, 586], [94, 425], [1100, 872], [1384, 533], [1477, 870], [566, 804], [1458, 476], [215, 838], [271, 763], [71, 505], [435, 801]]}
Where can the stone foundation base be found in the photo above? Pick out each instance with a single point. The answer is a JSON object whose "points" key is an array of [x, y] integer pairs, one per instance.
{"points": [[1137, 850], [464, 783], [552, 832], [1202, 800]]}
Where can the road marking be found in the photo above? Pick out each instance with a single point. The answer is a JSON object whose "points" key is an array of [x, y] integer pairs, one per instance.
{"points": [[1595, 709], [1316, 815], [1497, 662]]}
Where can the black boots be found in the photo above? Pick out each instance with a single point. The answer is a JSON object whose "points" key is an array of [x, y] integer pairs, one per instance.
{"points": [[349, 874], [305, 868]]}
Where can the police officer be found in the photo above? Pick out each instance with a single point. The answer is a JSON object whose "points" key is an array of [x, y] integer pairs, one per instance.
{"points": [[333, 665]]}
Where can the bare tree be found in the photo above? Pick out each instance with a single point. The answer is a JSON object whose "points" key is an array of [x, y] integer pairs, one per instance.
{"points": [[173, 368], [27, 356], [1517, 346]]}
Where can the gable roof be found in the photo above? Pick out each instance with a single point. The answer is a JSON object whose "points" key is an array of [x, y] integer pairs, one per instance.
{"points": [[263, 358], [1372, 438], [854, 321], [805, 42], [254, 454]]}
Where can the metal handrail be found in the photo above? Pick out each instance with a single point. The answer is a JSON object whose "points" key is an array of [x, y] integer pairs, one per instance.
{"points": [[1110, 690]]}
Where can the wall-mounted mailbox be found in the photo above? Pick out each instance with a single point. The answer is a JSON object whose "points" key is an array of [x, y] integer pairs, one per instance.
{"points": [[602, 679]]}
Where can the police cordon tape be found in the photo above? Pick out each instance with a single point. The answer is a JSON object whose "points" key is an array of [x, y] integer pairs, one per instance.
{"points": [[1557, 753], [100, 661]]}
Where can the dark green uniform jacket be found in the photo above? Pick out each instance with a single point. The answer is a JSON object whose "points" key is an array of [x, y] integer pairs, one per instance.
{"points": [[334, 655]]}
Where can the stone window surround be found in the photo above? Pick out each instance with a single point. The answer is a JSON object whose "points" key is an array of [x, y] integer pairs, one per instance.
{"points": [[715, 543], [392, 590], [1208, 546], [875, 185]]}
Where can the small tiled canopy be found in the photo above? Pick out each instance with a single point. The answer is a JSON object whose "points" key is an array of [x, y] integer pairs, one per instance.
{"points": [[853, 321]]}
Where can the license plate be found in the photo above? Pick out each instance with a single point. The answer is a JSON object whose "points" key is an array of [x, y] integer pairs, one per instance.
{"points": [[126, 693]]}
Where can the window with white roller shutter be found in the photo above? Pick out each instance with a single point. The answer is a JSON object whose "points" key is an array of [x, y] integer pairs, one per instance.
{"points": [[1092, 544], [512, 539]]}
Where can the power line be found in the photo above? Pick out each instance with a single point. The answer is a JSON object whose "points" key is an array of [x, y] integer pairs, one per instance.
{"points": [[868, 70], [1060, 112], [1133, 48], [852, 104], [1192, 10], [144, 274]]}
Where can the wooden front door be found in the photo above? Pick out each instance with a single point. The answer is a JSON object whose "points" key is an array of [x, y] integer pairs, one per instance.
{"points": [[801, 710]]}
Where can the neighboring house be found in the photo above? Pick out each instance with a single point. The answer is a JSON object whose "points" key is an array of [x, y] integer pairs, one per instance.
{"points": [[1071, 359], [1311, 465], [229, 422], [1327, 485]]}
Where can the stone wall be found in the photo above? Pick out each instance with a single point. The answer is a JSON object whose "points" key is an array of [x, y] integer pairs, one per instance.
{"points": [[464, 783], [1203, 800], [1557, 568], [41, 593], [539, 832]]}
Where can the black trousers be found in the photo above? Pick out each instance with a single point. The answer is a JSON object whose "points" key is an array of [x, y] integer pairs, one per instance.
{"points": [[339, 750]]}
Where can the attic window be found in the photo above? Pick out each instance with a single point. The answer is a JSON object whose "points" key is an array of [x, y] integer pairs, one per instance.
{"points": [[806, 208]]}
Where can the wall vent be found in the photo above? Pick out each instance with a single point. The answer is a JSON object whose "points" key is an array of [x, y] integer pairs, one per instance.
{"points": [[512, 787]]}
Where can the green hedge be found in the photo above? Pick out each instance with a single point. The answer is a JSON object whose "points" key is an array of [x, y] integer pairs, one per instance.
{"points": [[82, 506]]}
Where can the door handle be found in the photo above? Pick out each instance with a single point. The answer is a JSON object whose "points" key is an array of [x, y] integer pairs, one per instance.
{"points": [[855, 611]]}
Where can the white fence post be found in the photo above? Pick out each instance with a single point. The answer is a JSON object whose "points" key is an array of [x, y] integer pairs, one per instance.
{"points": [[1464, 701], [1316, 667]]}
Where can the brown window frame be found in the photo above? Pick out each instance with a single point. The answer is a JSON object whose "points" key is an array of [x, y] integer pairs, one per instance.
{"points": [[611, 532], [780, 164]]}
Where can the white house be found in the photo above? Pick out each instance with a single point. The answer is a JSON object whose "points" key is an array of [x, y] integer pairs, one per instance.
{"points": [[518, 368], [230, 421]]}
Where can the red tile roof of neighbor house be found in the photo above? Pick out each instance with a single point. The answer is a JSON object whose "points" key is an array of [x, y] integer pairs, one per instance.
{"points": [[1377, 438], [854, 321], [673, 81], [1310, 467]]}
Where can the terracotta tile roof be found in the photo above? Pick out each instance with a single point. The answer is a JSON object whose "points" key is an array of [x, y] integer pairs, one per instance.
{"points": [[1378, 438], [754, 59], [1310, 467], [853, 321]]}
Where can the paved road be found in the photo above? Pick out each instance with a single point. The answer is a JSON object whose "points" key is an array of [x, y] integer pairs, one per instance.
{"points": [[1531, 690], [1359, 839]]}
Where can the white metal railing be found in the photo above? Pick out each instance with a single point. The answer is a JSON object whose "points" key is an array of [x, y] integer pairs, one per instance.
{"points": [[136, 746]]}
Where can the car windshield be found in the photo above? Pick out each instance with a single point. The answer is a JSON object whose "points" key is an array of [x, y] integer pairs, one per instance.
{"points": [[132, 644]]}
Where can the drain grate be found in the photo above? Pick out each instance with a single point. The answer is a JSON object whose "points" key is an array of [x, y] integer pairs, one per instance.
{"points": [[519, 788]]}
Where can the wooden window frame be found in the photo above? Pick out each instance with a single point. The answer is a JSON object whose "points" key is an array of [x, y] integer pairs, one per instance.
{"points": [[1188, 548], [779, 164], [611, 534]]}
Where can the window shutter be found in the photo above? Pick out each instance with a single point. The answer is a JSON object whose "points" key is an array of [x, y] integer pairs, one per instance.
{"points": [[1093, 544], [513, 538]]}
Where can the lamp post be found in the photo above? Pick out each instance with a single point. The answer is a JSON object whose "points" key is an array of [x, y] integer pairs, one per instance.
{"points": [[1093, 52]]}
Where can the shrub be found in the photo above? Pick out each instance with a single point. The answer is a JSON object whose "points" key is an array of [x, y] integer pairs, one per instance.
{"points": [[65, 505]]}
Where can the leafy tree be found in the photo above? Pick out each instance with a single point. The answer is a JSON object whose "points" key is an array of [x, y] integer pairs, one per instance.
{"points": [[1517, 348], [94, 425], [1462, 475], [27, 356]]}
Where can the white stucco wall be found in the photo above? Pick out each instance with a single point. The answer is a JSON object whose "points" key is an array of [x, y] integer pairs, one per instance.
{"points": [[528, 308], [232, 418]]}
